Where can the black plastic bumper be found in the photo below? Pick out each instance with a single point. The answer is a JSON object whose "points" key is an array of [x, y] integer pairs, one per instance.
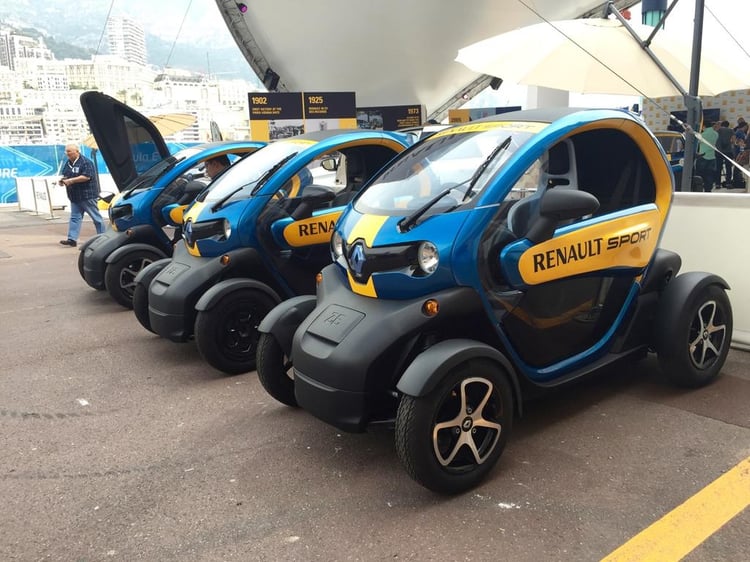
{"points": [[95, 255], [174, 292], [347, 352]]}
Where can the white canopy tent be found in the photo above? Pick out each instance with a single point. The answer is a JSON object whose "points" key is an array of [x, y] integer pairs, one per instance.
{"points": [[389, 52]]}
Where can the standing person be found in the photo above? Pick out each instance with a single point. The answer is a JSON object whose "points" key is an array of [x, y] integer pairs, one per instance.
{"points": [[740, 139], [725, 145], [706, 166], [79, 179]]}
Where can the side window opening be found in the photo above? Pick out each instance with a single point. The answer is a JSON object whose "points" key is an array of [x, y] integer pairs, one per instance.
{"points": [[613, 168]]}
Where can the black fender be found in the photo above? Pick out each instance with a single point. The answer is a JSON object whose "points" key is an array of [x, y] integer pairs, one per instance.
{"points": [[216, 292], [88, 242], [676, 294], [149, 234], [664, 267], [430, 366], [147, 274], [285, 318], [134, 247]]}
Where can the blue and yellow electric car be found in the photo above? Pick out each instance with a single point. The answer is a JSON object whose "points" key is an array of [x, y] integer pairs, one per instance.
{"points": [[490, 260], [149, 179], [257, 236]]}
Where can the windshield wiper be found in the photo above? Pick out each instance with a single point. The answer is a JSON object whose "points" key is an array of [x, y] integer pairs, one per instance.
{"points": [[271, 171], [216, 206], [170, 163], [408, 222], [483, 166], [263, 179]]}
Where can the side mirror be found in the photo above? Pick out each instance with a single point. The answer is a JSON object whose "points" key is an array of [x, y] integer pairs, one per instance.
{"points": [[173, 213], [106, 196], [329, 164], [557, 206]]}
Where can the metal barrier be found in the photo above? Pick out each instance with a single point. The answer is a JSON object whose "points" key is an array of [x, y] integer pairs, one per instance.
{"points": [[41, 195]]}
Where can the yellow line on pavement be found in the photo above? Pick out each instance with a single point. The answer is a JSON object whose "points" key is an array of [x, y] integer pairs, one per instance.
{"points": [[681, 530]]}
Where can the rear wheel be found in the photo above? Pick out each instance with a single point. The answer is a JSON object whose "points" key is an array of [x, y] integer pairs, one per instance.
{"points": [[695, 340], [275, 370], [451, 438], [140, 305], [119, 277], [227, 334]]}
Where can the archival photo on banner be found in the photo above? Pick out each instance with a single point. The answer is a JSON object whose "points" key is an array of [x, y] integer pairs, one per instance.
{"points": [[279, 115], [390, 117], [330, 110]]}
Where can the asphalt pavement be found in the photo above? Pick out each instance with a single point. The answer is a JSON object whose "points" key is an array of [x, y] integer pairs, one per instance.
{"points": [[118, 445]]}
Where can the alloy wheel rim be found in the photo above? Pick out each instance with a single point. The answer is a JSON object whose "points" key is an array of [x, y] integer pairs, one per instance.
{"points": [[707, 335], [129, 273], [467, 427]]}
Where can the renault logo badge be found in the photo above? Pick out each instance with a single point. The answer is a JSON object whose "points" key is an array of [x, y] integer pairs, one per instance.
{"points": [[188, 232], [357, 259]]}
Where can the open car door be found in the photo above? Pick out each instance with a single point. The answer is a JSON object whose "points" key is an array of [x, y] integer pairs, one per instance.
{"points": [[128, 141]]}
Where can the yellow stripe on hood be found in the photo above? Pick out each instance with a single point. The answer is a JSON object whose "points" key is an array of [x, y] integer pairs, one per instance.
{"points": [[367, 229], [193, 214]]}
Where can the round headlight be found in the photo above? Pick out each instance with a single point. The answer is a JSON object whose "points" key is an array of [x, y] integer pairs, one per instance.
{"points": [[227, 229], [337, 245], [428, 257]]}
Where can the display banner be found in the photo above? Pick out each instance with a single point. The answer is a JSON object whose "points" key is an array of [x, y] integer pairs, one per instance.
{"points": [[330, 110], [26, 161], [279, 115], [390, 117], [474, 113], [33, 161]]}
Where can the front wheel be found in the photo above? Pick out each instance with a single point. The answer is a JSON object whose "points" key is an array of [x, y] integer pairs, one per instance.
{"points": [[695, 338], [80, 263], [275, 370], [227, 334], [119, 277], [451, 438]]}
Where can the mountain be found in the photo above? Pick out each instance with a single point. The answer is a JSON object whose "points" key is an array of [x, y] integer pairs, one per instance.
{"points": [[180, 34]]}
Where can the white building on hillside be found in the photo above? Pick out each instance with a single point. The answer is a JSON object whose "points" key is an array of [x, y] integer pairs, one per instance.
{"points": [[126, 39]]}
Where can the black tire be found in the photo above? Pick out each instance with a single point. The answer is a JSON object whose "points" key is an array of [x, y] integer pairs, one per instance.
{"points": [[119, 277], [227, 334], [80, 263], [444, 462], [275, 370], [695, 340], [140, 306]]}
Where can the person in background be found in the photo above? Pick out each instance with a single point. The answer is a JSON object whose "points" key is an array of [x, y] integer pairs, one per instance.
{"points": [[725, 145], [740, 140], [183, 192], [216, 165], [706, 166], [79, 178]]}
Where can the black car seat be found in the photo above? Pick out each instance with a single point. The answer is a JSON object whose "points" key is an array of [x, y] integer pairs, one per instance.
{"points": [[558, 172], [356, 174]]}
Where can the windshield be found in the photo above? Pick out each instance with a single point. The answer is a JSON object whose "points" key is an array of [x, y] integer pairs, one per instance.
{"points": [[148, 178], [453, 166], [239, 181]]}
